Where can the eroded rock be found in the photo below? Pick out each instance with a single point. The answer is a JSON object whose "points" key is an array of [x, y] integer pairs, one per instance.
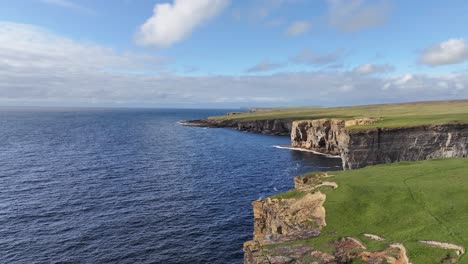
{"points": [[289, 219]]}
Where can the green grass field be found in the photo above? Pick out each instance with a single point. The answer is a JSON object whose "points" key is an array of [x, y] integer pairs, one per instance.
{"points": [[402, 202], [389, 115]]}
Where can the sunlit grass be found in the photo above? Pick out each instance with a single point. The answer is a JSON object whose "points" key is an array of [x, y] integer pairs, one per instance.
{"points": [[402, 202], [388, 115]]}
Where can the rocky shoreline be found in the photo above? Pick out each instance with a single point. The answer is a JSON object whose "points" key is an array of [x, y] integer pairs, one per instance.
{"points": [[278, 220], [358, 147]]}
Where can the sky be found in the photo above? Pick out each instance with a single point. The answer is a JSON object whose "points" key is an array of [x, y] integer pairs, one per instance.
{"points": [[231, 53]]}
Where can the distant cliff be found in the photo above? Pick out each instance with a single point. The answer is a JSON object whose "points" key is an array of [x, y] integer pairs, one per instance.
{"points": [[264, 126], [362, 147], [358, 147]]}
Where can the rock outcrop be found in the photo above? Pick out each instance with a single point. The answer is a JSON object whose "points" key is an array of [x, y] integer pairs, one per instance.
{"points": [[300, 216], [362, 147], [322, 135], [264, 126]]}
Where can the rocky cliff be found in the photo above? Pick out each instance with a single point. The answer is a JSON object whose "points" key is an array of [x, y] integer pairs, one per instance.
{"points": [[359, 147], [322, 135], [264, 126], [362, 147], [300, 216]]}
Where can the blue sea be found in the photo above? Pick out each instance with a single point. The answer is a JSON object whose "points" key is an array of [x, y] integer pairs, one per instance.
{"points": [[134, 186]]}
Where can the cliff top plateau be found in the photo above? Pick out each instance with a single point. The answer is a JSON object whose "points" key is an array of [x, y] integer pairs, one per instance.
{"points": [[382, 115]]}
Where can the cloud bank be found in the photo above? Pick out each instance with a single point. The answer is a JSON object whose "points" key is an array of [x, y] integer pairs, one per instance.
{"points": [[172, 23], [41, 68]]}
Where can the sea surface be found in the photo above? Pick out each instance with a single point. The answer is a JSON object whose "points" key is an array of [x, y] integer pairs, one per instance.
{"points": [[134, 186]]}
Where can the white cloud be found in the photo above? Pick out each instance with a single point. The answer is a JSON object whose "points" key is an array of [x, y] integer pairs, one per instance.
{"points": [[23, 45], [404, 79], [354, 15], [451, 51], [373, 68], [298, 28], [264, 66], [408, 81], [171, 23], [41, 68]]}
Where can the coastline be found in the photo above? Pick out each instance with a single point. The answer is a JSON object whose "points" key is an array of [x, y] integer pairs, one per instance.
{"points": [[357, 148]]}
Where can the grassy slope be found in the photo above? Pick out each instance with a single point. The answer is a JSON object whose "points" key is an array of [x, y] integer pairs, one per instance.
{"points": [[402, 202], [392, 115]]}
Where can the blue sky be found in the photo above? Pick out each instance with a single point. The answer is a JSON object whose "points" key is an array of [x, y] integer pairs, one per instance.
{"points": [[221, 53]]}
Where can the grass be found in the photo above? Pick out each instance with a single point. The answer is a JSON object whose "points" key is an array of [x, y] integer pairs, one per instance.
{"points": [[389, 115], [402, 202], [288, 195]]}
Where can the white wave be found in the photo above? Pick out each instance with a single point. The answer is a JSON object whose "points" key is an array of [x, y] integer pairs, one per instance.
{"points": [[308, 150], [185, 123]]}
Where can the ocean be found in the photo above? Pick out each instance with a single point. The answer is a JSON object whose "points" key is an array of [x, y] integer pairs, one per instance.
{"points": [[134, 186]]}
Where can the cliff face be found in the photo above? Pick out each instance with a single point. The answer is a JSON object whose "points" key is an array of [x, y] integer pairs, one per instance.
{"points": [[387, 145], [360, 148], [264, 126], [302, 217], [322, 135]]}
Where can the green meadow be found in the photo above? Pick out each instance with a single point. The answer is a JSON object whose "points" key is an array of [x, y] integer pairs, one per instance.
{"points": [[402, 202], [388, 115]]}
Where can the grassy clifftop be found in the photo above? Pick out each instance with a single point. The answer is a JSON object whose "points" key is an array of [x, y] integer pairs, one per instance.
{"points": [[403, 203], [388, 115]]}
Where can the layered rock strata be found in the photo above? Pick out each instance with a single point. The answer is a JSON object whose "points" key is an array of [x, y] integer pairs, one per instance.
{"points": [[362, 147], [359, 147]]}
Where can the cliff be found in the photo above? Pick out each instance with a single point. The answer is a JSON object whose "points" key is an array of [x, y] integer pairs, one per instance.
{"points": [[358, 147], [407, 212], [298, 216], [362, 147], [264, 126]]}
